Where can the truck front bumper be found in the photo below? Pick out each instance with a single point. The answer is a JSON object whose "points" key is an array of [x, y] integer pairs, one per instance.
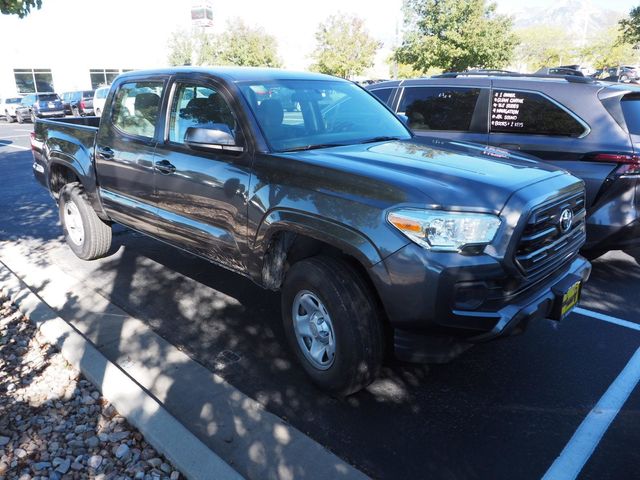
{"points": [[451, 298]]}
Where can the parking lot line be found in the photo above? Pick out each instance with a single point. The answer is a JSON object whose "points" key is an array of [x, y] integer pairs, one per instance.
{"points": [[13, 146], [607, 318], [588, 435]]}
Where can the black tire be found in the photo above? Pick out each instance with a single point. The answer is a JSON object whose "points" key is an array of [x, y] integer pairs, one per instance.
{"points": [[9, 118], [75, 112], [98, 112], [355, 317], [96, 240], [19, 118]]}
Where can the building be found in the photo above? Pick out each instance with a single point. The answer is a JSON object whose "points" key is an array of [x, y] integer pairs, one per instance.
{"points": [[83, 44]]}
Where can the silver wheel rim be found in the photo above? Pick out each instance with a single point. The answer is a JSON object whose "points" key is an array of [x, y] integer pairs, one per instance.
{"points": [[314, 330], [73, 222]]}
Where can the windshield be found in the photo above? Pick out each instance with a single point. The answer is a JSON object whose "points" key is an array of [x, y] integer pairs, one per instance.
{"points": [[305, 114], [49, 97]]}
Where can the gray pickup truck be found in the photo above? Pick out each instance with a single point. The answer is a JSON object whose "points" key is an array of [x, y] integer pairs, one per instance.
{"points": [[378, 241]]}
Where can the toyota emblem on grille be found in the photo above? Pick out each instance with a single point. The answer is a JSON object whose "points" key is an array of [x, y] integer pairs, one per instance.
{"points": [[566, 219]]}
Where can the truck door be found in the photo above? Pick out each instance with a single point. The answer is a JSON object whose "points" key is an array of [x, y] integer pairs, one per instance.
{"points": [[202, 192], [124, 154]]}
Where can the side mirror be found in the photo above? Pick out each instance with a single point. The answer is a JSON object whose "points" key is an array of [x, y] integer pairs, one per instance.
{"points": [[404, 119], [211, 139]]}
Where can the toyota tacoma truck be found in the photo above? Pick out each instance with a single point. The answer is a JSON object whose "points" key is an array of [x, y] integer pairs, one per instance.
{"points": [[377, 240]]}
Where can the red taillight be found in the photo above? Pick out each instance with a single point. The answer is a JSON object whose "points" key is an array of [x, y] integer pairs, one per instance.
{"points": [[629, 162], [82, 104], [32, 136]]}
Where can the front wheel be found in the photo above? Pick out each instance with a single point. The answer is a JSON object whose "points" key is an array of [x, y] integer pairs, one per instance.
{"points": [[86, 234], [333, 324]]}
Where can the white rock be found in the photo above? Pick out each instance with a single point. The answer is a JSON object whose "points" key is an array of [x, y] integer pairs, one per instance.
{"points": [[94, 461]]}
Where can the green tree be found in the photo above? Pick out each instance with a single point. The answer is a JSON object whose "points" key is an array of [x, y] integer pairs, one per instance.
{"points": [[455, 35], [344, 47], [608, 49], [630, 27], [243, 45], [544, 46], [22, 8], [181, 48], [239, 45]]}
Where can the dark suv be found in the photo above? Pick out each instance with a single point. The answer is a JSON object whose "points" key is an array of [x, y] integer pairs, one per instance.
{"points": [[78, 103], [39, 105], [588, 127]]}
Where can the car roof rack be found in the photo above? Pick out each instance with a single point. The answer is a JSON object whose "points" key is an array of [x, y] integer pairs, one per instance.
{"points": [[507, 73]]}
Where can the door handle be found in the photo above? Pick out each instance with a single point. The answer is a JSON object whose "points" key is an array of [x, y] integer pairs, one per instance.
{"points": [[105, 152], [165, 166]]}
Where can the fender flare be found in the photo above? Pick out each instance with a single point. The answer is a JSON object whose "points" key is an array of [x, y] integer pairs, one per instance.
{"points": [[341, 236]]}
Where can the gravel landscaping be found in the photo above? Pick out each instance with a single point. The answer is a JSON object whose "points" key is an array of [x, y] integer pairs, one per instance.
{"points": [[54, 424]]}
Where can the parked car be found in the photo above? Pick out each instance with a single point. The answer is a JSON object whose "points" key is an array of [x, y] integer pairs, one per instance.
{"points": [[8, 107], [590, 128], [39, 105], [78, 103], [99, 98], [621, 73], [373, 237]]}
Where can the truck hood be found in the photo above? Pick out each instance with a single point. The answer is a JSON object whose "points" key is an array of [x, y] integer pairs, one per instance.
{"points": [[447, 173]]}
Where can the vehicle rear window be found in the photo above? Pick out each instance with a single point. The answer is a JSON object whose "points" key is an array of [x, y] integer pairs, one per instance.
{"points": [[631, 109], [48, 98], [88, 94], [383, 94], [136, 107], [439, 108], [531, 113]]}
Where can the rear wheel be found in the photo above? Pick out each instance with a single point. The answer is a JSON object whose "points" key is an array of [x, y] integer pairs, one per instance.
{"points": [[19, 118], [333, 324], [86, 234]]}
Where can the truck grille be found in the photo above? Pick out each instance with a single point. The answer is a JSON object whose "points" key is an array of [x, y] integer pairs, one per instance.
{"points": [[544, 243]]}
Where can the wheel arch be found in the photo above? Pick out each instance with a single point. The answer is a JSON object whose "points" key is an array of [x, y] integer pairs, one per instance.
{"points": [[286, 237]]}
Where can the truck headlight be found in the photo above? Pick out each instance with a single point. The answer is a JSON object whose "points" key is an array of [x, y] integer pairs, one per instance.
{"points": [[445, 231]]}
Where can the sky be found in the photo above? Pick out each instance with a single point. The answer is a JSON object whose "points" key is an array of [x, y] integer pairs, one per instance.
{"points": [[111, 30]]}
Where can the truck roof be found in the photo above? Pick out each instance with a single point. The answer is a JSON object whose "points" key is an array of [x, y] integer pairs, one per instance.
{"points": [[239, 74]]}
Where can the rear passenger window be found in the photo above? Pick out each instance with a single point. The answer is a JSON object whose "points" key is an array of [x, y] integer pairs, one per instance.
{"points": [[531, 113], [631, 110], [383, 94], [439, 108], [198, 106], [136, 107]]}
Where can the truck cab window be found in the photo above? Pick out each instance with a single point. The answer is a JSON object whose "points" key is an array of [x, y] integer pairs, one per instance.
{"points": [[198, 106], [136, 107]]}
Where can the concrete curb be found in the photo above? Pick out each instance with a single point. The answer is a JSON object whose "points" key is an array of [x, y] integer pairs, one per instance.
{"points": [[168, 436]]}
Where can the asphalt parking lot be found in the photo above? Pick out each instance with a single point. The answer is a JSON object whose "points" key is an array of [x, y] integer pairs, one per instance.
{"points": [[506, 409]]}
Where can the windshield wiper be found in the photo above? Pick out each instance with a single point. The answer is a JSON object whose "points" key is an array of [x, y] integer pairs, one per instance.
{"points": [[313, 147], [380, 139]]}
